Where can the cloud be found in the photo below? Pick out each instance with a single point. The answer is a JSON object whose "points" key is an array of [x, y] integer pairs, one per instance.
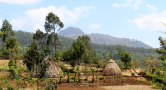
{"points": [[37, 16], [94, 26], [18, 23], [128, 3], [129, 20], [148, 43], [151, 7], [151, 21], [20, 1], [38, 26], [136, 4]]}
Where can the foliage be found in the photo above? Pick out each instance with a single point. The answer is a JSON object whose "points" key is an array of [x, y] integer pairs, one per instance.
{"points": [[78, 49], [162, 50], [68, 75], [93, 72], [120, 64], [87, 56], [72, 63], [119, 50], [126, 59], [14, 72], [6, 27], [86, 40], [58, 55], [62, 66], [110, 54], [135, 63], [86, 71], [51, 24], [31, 55], [36, 58], [51, 85], [150, 63]]}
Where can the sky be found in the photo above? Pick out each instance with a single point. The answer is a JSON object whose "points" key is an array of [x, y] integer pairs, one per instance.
{"points": [[141, 20]]}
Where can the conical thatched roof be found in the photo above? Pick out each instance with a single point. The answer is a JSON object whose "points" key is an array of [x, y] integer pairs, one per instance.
{"points": [[54, 69], [111, 69]]}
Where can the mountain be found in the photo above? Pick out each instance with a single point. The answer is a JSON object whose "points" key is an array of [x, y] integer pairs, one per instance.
{"points": [[73, 32]]}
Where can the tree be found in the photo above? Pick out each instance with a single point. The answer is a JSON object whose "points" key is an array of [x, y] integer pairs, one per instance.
{"points": [[78, 49], [119, 50], [35, 60], [87, 56], [40, 37], [126, 58], [51, 24], [12, 43], [7, 28], [87, 41], [31, 55], [162, 49], [110, 54]]}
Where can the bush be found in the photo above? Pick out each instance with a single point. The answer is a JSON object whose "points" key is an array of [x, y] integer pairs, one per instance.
{"points": [[62, 66], [120, 64], [10, 88], [14, 72], [86, 71], [72, 63]]}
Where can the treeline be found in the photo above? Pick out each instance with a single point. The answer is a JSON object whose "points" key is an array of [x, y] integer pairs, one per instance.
{"points": [[26, 38]]}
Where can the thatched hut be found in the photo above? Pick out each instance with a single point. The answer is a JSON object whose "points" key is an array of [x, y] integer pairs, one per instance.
{"points": [[111, 69], [54, 69]]}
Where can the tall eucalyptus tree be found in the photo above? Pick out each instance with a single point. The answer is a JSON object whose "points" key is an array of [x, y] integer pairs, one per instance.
{"points": [[51, 26]]}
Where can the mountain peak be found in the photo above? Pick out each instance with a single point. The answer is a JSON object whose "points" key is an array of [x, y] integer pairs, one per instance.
{"points": [[70, 31]]}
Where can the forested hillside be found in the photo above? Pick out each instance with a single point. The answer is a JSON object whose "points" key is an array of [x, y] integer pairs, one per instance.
{"points": [[73, 32], [26, 38]]}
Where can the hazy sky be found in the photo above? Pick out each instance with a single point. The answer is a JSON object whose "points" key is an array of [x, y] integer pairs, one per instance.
{"points": [[134, 19]]}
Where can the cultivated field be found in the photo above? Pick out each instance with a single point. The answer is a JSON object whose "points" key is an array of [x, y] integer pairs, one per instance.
{"points": [[124, 82]]}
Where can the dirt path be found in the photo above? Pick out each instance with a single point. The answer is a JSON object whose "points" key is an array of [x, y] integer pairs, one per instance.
{"points": [[128, 87]]}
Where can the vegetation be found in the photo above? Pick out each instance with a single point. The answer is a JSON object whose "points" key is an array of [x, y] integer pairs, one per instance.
{"points": [[79, 50]]}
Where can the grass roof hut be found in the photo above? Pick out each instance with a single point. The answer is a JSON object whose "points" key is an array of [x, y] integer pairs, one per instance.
{"points": [[111, 69], [54, 69]]}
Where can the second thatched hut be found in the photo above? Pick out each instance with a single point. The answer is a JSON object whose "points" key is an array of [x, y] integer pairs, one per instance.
{"points": [[111, 69], [53, 70]]}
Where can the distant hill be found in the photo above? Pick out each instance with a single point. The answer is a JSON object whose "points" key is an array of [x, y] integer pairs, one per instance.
{"points": [[72, 32]]}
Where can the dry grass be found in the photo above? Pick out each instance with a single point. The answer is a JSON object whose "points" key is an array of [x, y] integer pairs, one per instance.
{"points": [[81, 67], [4, 64]]}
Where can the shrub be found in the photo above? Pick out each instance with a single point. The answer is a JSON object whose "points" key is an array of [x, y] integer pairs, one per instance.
{"points": [[86, 71], [120, 64], [14, 72], [72, 63], [62, 66]]}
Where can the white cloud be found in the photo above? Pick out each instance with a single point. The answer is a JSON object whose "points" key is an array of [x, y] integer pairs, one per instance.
{"points": [[151, 21], [20, 1], [129, 20], [38, 26], [94, 26], [136, 4], [37, 16], [151, 7], [128, 3], [148, 43], [18, 23]]}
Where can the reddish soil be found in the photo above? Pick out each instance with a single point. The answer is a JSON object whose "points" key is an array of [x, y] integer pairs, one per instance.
{"points": [[109, 81], [88, 85]]}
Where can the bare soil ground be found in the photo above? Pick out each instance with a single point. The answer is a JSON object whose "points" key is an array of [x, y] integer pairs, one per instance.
{"points": [[124, 82]]}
